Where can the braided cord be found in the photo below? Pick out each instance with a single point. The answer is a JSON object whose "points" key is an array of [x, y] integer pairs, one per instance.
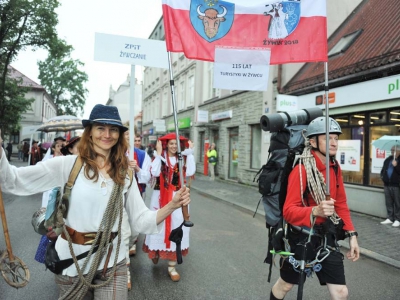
{"points": [[114, 209], [315, 180]]}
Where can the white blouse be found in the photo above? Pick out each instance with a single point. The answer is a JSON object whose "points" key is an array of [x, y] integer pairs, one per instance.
{"points": [[88, 202], [190, 163]]}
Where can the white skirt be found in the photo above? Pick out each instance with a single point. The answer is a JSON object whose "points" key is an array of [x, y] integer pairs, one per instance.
{"points": [[156, 241]]}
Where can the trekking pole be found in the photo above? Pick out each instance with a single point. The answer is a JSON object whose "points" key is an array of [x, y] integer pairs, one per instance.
{"points": [[302, 275], [13, 269]]}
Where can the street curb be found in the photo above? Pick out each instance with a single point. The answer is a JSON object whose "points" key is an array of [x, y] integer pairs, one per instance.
{"points": [[368, 253]]}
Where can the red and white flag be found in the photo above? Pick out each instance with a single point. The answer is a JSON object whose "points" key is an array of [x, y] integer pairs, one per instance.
{"points": [[294, 30]]}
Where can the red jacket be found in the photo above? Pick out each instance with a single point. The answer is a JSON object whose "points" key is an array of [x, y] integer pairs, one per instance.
{"points": [[296, 213]]}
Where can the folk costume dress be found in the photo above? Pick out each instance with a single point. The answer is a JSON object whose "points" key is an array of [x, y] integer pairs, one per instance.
{"points": [[166, 171]]}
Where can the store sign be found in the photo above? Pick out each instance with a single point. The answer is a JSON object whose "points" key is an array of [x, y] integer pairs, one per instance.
{"points": [[381, 89], [202, 116], [146, 132], [157, 122], [184, 123], [222, 115], [151, 131], [394, 86], [160, 129], [320, 99], [348, 155], [152, 138], [286, 103], [171, 126]]}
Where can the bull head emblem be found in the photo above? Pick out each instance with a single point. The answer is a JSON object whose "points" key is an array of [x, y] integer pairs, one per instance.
{"points": [[211, 19]]}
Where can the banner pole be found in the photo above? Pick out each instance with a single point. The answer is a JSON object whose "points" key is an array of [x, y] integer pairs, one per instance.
{"points": [[327, 125], [132, 112], [185, 210]]}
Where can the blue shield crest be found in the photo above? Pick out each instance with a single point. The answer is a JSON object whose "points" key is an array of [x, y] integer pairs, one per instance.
{"points": [[211, 19], [285, 16]]}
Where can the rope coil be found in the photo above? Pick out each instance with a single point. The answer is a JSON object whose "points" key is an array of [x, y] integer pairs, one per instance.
{"points": [[114, 210], [315, 179]]}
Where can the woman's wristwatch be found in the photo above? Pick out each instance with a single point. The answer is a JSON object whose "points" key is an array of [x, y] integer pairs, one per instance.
{"points": [[350, 234]]}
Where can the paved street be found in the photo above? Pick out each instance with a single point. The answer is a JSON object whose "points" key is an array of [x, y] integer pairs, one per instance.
{"points": [[228, 247]]}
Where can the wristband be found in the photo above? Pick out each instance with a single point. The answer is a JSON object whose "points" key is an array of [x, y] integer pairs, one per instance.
{"points": [[350, 234]]}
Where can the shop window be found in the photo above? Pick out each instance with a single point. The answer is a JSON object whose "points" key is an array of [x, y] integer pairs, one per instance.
{"points": [[357, 119], [342, 120], [378, 118], [255, 162], [394, 117], [350, 154], [366, 127], [378, 156]]}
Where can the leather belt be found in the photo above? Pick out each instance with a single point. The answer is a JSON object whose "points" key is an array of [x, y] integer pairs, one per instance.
{"points": [[84, 238]]}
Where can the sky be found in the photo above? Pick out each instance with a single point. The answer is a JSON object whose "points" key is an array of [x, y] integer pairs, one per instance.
{"points": [[79, 20]]}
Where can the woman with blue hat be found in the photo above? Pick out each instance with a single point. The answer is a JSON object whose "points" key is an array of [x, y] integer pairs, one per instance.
{"points": [[103, 188]]}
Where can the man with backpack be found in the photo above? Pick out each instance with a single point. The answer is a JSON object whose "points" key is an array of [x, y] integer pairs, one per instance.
{"points": [[315, 224]]}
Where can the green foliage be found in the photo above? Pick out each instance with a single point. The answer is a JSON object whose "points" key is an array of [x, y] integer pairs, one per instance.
{"points": [[23, 23], [64, 81], [13, 105]]}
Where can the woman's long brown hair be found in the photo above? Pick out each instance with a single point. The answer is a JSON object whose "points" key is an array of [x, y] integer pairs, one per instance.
{"points": [[117, 159]]}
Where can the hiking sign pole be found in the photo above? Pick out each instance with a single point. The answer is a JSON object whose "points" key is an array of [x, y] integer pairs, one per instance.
{"points": [[13, 269], [327, 125], [185, 209], [177, 233], [327, 181]]}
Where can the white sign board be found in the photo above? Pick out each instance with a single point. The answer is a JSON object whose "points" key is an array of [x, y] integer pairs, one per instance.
{"points": [[160, 128], [241, 69], [202, 116], [286, 103], [348, 155], [158, 122], [28, 130], [378, 157], [222, 115], [130, 50]]}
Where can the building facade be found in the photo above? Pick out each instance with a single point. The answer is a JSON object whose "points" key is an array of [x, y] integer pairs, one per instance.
{"points": [[121, 98], [42, 109], [364, 97], [227, 117]]}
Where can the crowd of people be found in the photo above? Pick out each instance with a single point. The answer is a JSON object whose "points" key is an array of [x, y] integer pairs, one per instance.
{"points": [[106, 202], [107, 211]]}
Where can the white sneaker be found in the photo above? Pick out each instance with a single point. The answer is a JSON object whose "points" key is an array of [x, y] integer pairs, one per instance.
{"points": [[396, 224], [387, 221]]}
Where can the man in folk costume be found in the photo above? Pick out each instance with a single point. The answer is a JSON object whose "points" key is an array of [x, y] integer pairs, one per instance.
{"points": [[308, 210], [166, 170]]}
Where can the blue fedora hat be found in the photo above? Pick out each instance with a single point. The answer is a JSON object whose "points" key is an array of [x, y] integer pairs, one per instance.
{"points": [[105, 114]]}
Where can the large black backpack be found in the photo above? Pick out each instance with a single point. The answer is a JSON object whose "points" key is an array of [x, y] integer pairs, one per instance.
{"points": [[272, 181]]}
